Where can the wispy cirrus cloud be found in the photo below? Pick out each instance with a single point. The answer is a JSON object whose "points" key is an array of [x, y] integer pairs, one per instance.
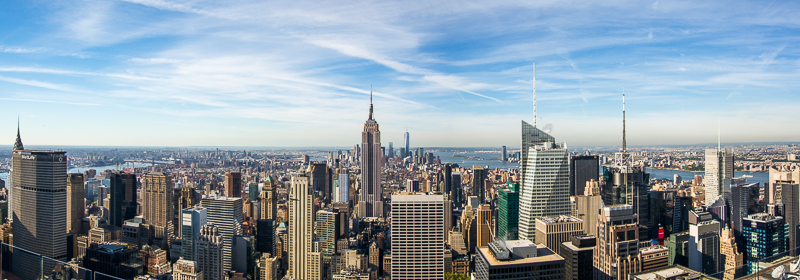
{"points": [[435, 66]]}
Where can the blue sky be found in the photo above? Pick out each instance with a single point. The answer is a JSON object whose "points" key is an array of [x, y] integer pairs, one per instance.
{"points": [[454, 73]]}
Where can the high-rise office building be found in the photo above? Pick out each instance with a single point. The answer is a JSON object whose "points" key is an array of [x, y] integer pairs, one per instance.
{"points": [[552, 231], [517, 259], [209, 254], [343, 193], [75, 203], [745, 200], [157, 204], [581, 170], [319, 180], [765, 236], [447, 180], [390, 153], [39, 184], [483, 220], [731, 259], [627, 183], [479, 183], [418, 235], [116, 207], [370, 200], [265, 236], [269, 199], [719, 172], [186, 199], [456, 193], [192, 220], [233, 184], [328, 223], [578, 256], [587, 205], [678, 245], [508, 212], [186, 270], [617, 252], [704, 246], [669, 212], [129, 202], [226, 213], [791, 211], [405, 142], [301, 226], [504, 156], [545, 179]]}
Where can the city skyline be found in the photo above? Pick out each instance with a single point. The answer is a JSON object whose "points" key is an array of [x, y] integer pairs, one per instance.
{"points": [[258, 74]]}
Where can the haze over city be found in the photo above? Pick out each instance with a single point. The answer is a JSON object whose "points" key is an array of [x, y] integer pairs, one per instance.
{"points": [[251, 73]]}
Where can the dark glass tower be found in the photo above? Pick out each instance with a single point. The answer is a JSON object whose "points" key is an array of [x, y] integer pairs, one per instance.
{"points": [[582, 169]]}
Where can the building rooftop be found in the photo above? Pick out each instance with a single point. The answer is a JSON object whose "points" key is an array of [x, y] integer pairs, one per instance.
{"points": [[560, 219], [543, 255], [762, 217], [668, 273]]}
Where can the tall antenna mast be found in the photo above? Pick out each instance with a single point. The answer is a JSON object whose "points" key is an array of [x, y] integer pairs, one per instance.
{"points": [[624, 142], [534, 94]]}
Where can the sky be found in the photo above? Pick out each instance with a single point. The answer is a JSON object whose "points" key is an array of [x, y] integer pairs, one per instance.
{"points": [[451, 73]]}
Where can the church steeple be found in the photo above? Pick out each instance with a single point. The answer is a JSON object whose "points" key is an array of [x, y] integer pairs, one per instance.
{"points": [[18, 144]]}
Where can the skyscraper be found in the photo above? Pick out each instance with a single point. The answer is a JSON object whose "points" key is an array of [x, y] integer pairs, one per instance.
{"points": [[226, 214], [210, 252], [39, 183], [75, 204], [327, 232], [479, 182], [765, 236], [704, 246], [233, 184], [719, 172], [508, 212], [617, 252], [504, 156], [301, 226], [545, 179], [417, 236], [407, 150], [191, 222], [129, 203], [343, 193], [390, 153], [581, 170], [269, 200], [627, 183], [484, 225], [157, 204], [456, 193], [116, 206], [370, 200]]}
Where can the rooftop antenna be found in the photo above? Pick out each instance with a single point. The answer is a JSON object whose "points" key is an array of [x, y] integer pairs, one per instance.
{"points": [[534, 94], [370, 102], [624, 142]]}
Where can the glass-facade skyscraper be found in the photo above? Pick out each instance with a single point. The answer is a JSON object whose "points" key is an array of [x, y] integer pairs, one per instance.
{"points": [[508, 212], [545, 179]]}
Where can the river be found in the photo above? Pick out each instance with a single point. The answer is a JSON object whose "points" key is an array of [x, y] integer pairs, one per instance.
{"points": [[99, 169]]}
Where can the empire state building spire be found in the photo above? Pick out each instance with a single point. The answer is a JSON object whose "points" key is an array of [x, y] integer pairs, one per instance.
{"points": [[18, 143], [370, 104]]}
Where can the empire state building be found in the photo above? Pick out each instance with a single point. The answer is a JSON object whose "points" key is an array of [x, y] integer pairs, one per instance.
{"points": [[370, 202]]}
